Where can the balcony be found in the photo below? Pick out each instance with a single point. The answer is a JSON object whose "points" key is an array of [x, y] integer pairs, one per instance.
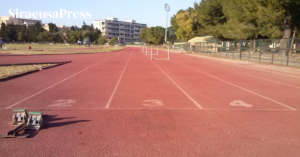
{"points": [[113, 26]]}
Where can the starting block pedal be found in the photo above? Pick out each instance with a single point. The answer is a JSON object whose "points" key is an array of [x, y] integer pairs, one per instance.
{"points": [[23, 121], [19, 117], [35, 120]]}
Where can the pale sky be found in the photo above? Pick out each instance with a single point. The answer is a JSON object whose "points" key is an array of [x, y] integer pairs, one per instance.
{"points": [[150, 12]]}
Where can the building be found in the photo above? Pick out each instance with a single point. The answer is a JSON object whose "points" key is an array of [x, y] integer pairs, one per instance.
{"points": [[63, 27], [59, 27], [126, 31], [18, 21], [46, 27]]}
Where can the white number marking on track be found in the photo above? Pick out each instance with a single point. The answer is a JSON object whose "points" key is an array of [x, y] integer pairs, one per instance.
{"points": [[240, 103], [153, 103], [64, 102]]}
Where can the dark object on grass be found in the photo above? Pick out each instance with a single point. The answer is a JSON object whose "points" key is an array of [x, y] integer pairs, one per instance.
{"points": [[29, 47]]}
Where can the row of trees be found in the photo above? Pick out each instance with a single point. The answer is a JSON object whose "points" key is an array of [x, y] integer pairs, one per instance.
{"points": [[238, 19], [36, 33], [152, 35]]}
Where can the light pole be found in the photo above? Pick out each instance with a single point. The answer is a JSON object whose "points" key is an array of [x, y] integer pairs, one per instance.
{"points": [[167, 8]]}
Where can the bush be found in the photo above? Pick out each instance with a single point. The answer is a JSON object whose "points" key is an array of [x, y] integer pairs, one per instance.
{"points": [[112, 41]]}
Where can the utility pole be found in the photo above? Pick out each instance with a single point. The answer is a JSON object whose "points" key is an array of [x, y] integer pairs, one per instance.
{"points": [[167, 8]]}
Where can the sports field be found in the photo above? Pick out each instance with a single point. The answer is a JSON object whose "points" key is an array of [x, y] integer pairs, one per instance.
{"points": [[123, 103]]}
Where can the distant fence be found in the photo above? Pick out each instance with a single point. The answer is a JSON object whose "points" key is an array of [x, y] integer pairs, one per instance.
{"points": [[273, 51]]}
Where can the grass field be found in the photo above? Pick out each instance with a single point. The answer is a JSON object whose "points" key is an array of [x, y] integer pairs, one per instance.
{"points": [[55, 49], [7, 71]]}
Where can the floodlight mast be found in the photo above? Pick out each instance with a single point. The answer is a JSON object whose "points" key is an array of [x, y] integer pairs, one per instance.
{"points": [[167, 8]]}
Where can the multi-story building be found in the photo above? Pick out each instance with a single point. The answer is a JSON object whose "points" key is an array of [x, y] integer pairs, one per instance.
{"points": [[17, 21], [125, 31], [59, 27]]}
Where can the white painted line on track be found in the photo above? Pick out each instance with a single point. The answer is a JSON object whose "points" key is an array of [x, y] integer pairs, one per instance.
{"points": [[239, 87], [58, 83], [261, 69], [184, 92], [115, 89], [195, 109], [258, 77]]}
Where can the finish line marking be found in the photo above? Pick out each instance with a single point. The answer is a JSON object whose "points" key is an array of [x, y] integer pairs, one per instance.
{"points": [[58, 83]]}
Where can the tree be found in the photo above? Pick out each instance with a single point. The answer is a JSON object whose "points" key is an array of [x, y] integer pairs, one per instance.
{"points": [[102, 40], [211, 17], [11, 32], [21, 37], [72, 28], [185, 22], [52, 28], [58, 37], [172, 39], [44, 36], [173, 21], [3, 31], [21, 33], [33, 31], [279, 18], [112, 41], [74, 36], [155, 35], [143, 34]]}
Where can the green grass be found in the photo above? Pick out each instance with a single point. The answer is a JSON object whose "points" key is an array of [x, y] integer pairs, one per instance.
{"points": [[55, 49], [8, 71]]}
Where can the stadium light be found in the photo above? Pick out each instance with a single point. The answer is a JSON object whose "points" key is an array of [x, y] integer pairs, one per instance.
{"points": [[167, 8]]}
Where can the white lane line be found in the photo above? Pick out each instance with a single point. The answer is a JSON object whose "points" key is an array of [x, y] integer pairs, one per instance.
{"points": [[255, 68], [257, 76], [239, 87], [263, 78], [58, 83], [184, 92], [117, 85], [196, 109]]}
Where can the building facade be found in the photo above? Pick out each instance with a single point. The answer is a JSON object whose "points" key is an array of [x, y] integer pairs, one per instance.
{"points": [[18, 21], [59, 27], [126, 31]]}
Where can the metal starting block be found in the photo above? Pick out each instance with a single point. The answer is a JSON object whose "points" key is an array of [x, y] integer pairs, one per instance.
{"points": [[23, 121], [19, 117], [35, 120]]}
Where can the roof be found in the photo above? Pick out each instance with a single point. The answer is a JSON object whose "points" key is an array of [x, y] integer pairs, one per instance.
{"points": [[201, 39]]}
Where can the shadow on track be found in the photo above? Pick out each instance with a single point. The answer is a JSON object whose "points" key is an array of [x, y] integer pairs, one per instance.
{"points": [[49, 121]]}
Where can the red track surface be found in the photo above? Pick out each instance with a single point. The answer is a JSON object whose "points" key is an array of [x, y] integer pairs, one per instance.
{"points": [[110, 114]]}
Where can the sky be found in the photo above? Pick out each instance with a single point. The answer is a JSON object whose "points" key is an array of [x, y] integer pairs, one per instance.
{"points": [[62, 12]]}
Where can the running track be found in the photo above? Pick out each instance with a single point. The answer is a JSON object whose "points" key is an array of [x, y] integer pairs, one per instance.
{"points": [[124, 104]]}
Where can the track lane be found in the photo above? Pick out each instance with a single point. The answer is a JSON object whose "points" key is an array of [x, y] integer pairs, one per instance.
{"points": [[89, 89], [145, 86], [287, 96], [22, 88], [212, 93]]}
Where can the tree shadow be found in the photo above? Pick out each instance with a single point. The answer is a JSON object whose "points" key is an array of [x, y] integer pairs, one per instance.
{"points": [[49, 122]]}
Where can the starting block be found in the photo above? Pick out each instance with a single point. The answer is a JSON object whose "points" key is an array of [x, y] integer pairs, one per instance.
{"points": [[35, 120], [23, 121], [19, 117]]}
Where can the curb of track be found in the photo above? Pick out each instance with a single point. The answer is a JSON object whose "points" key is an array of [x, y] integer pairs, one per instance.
{"points": [[30, 72], [56, 54]]}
